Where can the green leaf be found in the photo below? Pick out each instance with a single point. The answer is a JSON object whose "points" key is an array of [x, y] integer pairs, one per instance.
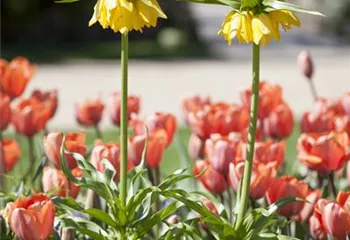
{"points": [[235, 4], [102, 217], [272, 236], [67, 1], [137, 199], [279, 5], [40, 168], [249, 3], [174, 178], [67, 203], [274, 207]]}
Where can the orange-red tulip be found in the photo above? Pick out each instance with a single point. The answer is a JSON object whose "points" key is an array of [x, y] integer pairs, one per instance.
{"points": [[279, 124], [345, 102], [212, 180], [10, 152], [219, 118], [269, 152], [323, 153], [305, 214], [164, 121], [49, 97], [193, 104], [343, 124], [285, 187], [30, 116], [74, 142], [317, 123], [332, 217], [348, 173], [261, 179], [305, 64], [31, 218], [270, 96], [196, 147], [221, 151], [5, 111], [55, 182], [157, 142], [114, 102], [89, 113], [3, 66], [16, 76]]}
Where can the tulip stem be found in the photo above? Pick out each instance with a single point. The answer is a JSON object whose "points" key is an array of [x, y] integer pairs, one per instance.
{"points": [[124, 119], [313, 89], [31, 157], [332, 185], [230, 214], [98, 132], [244, 197], [2, 164]]}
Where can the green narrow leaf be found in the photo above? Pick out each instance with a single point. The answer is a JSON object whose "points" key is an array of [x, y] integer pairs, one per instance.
{"points": [[67, 1], [235, 4], [279, 5], [102, 217], [274, 207], [40, 168]]}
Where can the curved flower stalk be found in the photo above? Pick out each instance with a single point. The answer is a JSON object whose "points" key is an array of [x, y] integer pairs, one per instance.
{"points": [[255, 22]]}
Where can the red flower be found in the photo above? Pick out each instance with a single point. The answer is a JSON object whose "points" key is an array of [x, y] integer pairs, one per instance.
{"points": [[133, 107], [193, 104], [11, 153], [317, 123], [323, 153], [196, 147], [31, 218], [5, 111], [285, 187], [49, 97], [212, 180], [279, 124], [305, 214], [15, 76], [30, 116], [270, 96], [89, 113]]}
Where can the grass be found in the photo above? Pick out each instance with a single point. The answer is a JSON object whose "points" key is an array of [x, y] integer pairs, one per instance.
{"points": [[175, 156]]}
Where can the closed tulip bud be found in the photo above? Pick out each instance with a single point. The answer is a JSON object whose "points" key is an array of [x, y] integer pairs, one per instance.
{"points": [[156, 144], [261, 179], [270, 96], [15, 76], [285, 187], [212, 180], [5, 111], [11, 153], [305, 214], [221, 151], [30, 116], [74, 142], [55, 182], [174, 219], [209, 205], [89, 113], [279, 124], [323, 153], [31, 218], [193, 104], [115, 107], [49, 97], [305, 64], [196, 147]]}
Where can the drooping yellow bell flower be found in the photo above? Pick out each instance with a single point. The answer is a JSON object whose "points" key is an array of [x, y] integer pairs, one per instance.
{"points": [[127, 15], [258, 28]]}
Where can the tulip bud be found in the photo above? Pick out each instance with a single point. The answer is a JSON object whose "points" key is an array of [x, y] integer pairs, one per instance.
{"points": [[172, 219], [11, 153], [89, 113], [196, 147], [49, 97], [133, 107], [305, 64], [67, 234]]}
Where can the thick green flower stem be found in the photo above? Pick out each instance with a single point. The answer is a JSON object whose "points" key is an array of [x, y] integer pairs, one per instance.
{"points": [[124, 120], [244, 197]]}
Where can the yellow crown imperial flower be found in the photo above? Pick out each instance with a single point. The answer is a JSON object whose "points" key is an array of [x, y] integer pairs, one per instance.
{"points": [[127, 15], [258, 28]]}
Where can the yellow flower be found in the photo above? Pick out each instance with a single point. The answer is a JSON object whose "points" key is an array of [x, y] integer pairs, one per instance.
{"points": [[127, 15], [259, 28]]}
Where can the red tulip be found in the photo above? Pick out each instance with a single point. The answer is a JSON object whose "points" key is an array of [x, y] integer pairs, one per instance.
{"points": [[3, 66], [343, 124], [345, 102], [268, 152], [5, 111], [157, 142], [15, 76], [30, 116], [11, 153], [211, 207], [325, 105], [305, 64], [196, 147], [55, 182], [31, 218], [219, 118], [317, 123], [74, 142], [285, 187], [193, 104], [133, 107], [279, 124], [221, 151], [323, 153], [212, 180], [348, 173], [49, 97], [89, 113], [305, 214], [317, 228], [261, 179], [270, 96]]}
